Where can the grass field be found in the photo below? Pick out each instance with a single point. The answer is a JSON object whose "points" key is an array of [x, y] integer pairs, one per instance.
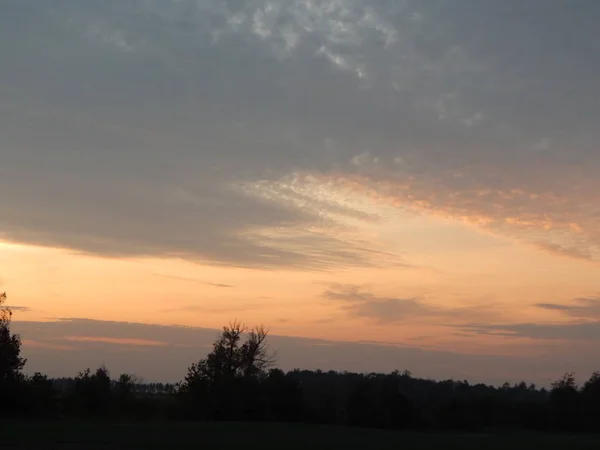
{"points": [[168, 436]]}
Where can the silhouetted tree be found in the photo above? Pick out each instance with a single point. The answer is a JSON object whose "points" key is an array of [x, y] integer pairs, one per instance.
{"points": [[564, 396], [590, 395], [11, 363], [91, 393], [40, 398], [125, 385], [125, 394], [285, 397], [360, 405], [397, 410], [224, 382], [236, 382]]}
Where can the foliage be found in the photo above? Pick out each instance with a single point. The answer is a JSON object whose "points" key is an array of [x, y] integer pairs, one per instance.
{"points": [[90, 394], [236, 381], [11, 363], [225, 384], [231, 358], [40, 397]]}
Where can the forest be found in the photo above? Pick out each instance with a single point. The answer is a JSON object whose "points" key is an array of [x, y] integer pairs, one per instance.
{"points": [[239, 381]]}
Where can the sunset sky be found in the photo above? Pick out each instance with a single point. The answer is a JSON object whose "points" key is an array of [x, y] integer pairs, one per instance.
{"points": [[385, 184]]}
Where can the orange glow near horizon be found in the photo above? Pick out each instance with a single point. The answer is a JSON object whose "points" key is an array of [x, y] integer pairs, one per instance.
{"points": [[459, 274]]}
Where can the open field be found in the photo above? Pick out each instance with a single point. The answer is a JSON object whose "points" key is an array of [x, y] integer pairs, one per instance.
{"points": [[175, 436]]}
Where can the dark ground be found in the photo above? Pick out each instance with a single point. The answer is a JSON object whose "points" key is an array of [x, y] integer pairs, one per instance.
{"points": [[170, 436]]}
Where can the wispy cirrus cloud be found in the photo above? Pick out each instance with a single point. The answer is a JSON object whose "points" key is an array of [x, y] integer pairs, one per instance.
{"points": [[538, 212]]}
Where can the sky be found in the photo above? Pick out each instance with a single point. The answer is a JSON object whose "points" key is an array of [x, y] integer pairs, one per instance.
{"points": [[384, 184]]}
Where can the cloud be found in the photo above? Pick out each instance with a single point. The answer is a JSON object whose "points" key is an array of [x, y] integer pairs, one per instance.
{"points": [[30, 343], [116, 341], [143, 204], [358, 301], [574, 331], [556, 221], [18, 308], [98, 34], [581, 251], [132, 128], [587, 308], [585, 329]]}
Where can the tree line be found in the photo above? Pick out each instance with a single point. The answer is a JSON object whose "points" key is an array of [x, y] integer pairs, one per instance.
{"points": [[238, 381]]}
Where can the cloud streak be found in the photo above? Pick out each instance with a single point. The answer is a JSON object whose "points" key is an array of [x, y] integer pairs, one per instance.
{"points": [[583, 324], [576, 331], [116, 341], [359, 301], [48, 350], [586, 308], [18, 308]]}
